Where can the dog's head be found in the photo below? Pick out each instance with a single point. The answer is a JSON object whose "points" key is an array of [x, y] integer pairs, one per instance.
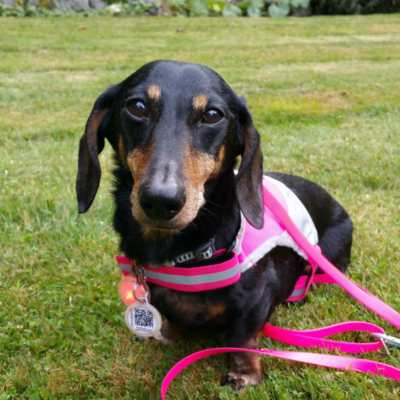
{"points": [[175, 126]]}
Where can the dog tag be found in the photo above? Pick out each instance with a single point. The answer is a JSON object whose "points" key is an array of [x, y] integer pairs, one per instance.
{"points": [[143, 320], [130, 290]]}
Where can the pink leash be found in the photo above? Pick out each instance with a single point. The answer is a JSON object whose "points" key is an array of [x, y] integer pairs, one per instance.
{"points": [[316, 337], [314, 255]]}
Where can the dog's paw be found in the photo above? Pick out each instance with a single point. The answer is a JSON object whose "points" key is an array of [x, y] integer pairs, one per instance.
{"points": [[159, 338], [162, 339], [239, 381], [169, 333]]}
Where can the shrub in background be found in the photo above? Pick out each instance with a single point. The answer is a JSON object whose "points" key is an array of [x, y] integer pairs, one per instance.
{"points": [[193, 8], [283, 8]]}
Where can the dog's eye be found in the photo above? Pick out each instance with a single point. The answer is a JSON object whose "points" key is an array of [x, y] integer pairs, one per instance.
{"points": [[138, 109], [212, 116]]}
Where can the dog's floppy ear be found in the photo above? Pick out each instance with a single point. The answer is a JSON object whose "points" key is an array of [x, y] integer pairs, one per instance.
{"points": [[249, 176], [91, 145]]}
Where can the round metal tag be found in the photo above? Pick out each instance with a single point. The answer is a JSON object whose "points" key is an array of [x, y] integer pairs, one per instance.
{"points": [[143, 320]]}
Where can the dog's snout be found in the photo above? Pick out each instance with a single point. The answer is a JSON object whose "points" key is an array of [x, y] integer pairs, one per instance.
{"points": [[162, 202]]}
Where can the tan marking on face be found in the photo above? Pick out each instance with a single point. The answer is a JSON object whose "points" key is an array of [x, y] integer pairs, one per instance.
{"points": [[150, 231], [154, 92], [199, 102], [219, 162], [138, 161], [197, 168]]}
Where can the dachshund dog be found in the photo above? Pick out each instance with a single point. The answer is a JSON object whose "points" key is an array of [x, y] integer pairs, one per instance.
{"points": [[178, 131]]}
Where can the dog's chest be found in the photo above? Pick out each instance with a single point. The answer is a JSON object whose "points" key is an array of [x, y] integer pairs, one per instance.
{"points": [[190, 309]]}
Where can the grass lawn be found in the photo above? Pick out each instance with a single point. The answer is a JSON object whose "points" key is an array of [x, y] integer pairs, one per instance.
{"points": [[325, 94]]}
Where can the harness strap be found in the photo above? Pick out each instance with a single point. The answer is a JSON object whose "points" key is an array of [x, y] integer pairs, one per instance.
{"points": [[304, 283]]}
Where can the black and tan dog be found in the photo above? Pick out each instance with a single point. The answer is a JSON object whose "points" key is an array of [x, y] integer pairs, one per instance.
{"points": [[177, 130]]}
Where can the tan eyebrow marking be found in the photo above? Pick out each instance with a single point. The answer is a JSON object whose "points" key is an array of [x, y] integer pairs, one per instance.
{"points": [[199, 102], [154, 92]]}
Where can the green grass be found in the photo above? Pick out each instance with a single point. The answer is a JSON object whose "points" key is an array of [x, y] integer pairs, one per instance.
{"points": [[325, 94]]}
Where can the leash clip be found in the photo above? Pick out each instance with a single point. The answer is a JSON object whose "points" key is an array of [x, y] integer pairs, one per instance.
{"points": [[387, 339], [139, 273]]}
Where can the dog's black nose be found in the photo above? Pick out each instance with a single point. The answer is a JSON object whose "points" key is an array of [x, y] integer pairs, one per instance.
{"points": [[162, 202]]}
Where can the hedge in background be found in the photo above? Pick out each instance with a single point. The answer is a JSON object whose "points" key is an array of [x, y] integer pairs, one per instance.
{"points": [[332, 7], [282, 8]]}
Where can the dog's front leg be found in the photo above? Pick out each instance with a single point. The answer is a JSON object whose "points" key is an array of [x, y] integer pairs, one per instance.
{"points": [[245, 368]]}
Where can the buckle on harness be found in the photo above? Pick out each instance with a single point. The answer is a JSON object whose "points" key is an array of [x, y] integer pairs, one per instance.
{"points": [[204, 252]]}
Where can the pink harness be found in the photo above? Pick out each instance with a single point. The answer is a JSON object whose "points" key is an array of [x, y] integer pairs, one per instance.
{"points": [[277, 206], [251, 245]]}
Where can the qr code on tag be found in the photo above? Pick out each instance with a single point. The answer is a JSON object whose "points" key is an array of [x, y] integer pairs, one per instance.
{"points": [[144, 318]]}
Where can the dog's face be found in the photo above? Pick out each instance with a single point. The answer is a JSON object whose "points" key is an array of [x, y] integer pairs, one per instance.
{"points": [[176, 127], [174, 123]]}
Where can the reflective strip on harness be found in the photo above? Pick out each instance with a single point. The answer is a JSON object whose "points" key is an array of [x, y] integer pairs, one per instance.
{"points": [[194, 279]]}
